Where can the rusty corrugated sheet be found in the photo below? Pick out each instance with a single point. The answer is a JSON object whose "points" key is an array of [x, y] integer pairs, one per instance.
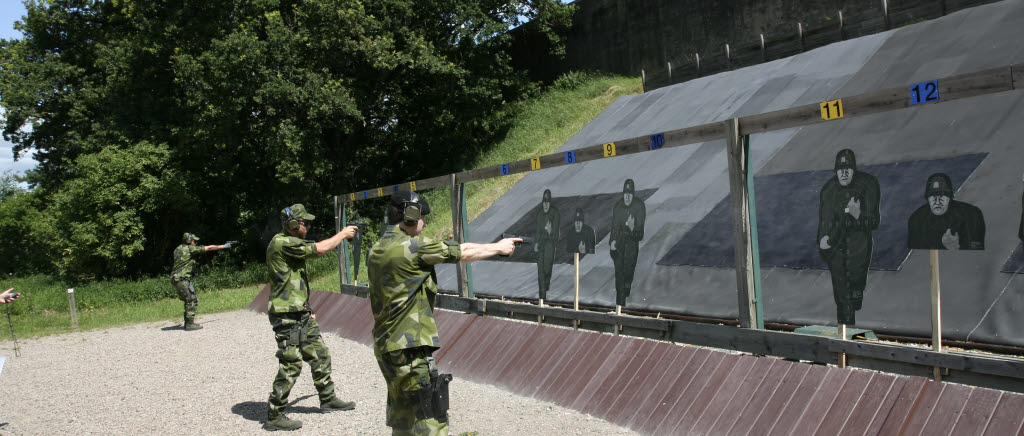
{"points": [[655, 387]]}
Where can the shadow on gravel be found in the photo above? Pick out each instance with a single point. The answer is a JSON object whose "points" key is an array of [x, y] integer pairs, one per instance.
{"points": [[257, 410], [172, 327]]}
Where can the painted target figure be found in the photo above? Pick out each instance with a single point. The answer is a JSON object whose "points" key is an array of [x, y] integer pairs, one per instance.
{"points": [[582, 238], [628, 219], [943, 223], [848, 213], [546, 239]]}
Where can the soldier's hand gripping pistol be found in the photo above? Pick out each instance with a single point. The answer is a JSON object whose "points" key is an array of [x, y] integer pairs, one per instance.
{"points": [[526, 240]]}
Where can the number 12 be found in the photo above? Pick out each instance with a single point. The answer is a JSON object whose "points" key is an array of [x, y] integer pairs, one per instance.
{"points": [[928, 90]]}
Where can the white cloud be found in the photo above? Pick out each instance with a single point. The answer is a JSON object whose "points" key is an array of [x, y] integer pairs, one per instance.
{"points": [[7, 161]]}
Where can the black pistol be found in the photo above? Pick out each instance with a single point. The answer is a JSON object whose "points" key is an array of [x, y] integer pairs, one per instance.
{"points": [[525, 240]]}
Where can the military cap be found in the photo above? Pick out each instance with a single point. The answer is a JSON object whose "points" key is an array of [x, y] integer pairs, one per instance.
{"points": [[845, 159], [547, 195], [628, 187], [938, 184], [401, 199], [579, 215], [296, 212], [187, 238]]}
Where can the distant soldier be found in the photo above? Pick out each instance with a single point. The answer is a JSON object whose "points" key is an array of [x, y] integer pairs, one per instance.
{"points": [[847, 214], [628, 218], [943, 223], [403, 290], [582, 238], [182, 273], [546, 238], [295, 328]]}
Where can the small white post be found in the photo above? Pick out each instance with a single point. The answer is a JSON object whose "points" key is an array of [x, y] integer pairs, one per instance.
{"points": [[842, 335], [936, 310], [576, 299], [74, 311]]}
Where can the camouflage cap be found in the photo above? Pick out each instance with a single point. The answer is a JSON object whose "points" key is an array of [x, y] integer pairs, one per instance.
{"points": [[938, 184], [579, 215], [845, 159], [547, 195], [628, 187], [187, 238], [295, 212]]}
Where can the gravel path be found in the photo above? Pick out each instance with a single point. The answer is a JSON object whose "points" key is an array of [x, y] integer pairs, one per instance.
{"points": [[155, 378]]}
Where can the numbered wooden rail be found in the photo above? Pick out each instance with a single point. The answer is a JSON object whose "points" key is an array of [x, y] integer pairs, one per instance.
{"points": [[946, 89]]}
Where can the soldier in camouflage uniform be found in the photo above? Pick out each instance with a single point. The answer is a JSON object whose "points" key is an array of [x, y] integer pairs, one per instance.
{"points": [[181, 274], [403, 287], [295, 328]]}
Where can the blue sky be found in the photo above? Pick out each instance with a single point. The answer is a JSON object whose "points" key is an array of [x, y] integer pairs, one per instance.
{"points": [[11, 11]]}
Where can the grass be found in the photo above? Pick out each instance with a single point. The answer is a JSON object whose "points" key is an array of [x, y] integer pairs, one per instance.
{"points": [[544, 123]]}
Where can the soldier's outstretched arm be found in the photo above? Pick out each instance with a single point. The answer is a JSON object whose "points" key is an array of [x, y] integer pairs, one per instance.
{"points": [[473, 252], [325, 246]]}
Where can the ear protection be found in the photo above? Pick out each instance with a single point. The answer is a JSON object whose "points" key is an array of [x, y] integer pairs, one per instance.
{"points": [[290, 221], [411, 213]]}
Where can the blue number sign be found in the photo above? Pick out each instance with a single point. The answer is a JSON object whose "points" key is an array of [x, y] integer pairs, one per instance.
{"points": [[924, 92], [365, 195], [570, 157], [657, 141], [504, 169]]}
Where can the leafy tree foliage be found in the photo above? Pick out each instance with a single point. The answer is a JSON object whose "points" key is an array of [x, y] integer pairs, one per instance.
{"points": [[150, 118]]}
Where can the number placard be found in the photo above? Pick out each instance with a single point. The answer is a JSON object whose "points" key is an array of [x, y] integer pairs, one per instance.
{"points": [[657, 141], [380, 192], [352, 196], [504, 169], [609, 149], [924, 92], [832, 110], [412, 186], [394, 188], [570, 157], [535, 163], [365, 195]]}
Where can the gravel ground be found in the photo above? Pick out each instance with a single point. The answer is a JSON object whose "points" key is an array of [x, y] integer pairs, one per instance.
{"points": [[155, 378]]}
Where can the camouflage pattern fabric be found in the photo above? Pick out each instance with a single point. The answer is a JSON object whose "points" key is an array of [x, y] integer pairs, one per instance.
{"points": [[407, 371], [298, 338], [286, 263], [187, 293], [403, 287], [185, 260]]}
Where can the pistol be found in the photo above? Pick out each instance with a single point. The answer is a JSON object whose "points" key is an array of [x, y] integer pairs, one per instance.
{"points": [[526, 239]]}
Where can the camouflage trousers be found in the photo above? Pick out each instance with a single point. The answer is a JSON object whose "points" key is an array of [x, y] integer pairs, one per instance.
{"points": [[406, 372], [298, 339], [187, 293]]}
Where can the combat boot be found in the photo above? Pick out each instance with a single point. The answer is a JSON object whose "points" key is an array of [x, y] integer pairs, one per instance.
{"points": [[282, 423], [337, 404], [193, 326]]}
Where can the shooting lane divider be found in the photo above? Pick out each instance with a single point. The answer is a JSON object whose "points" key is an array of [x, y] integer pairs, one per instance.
{"points": [[984, 82]]}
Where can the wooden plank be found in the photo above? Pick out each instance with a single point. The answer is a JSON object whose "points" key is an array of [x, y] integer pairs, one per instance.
{"points": [[867, 405], [799, 401], [887, 404], [668, 397], [1017, 72], [994, 365], [893, 421], [777, 403], [735, 407], [586, 316], [855, 385], [687, 391], [821, 402], [700, 396], [740, 200], [1006, 419], [585, 366], [722, 397], [654, 387], [922, 408], [651, 368], [748, 408], [524, 380], [619, 369], [979, 408], [947, 409]]}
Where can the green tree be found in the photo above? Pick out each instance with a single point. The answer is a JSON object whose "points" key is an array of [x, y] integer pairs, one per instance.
{"points": [[211, 115]]}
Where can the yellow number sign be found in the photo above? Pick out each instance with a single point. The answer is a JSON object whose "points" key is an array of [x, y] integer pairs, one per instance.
{"points": [[832, 110], [412, 186], [352, 196], [609, 149], [535, 163], [380, 192]]}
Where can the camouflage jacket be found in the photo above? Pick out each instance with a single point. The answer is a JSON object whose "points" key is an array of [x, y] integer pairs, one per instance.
{"points": [[184, 260], [286, 263], [403, 288]]}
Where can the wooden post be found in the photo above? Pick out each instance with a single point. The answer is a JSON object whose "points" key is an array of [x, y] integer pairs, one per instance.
{"points": [[764, 52], [618, 311], [669, 65], [942, 6], [755, 249], [800, 33], [460, 268], [540, 318], [74, 310], [465, 235], [643, 79], [576, 298], [698, 63], [738, 195], [936, 310], [343, 248], [842, 335], [842, 29], [885, 14]]}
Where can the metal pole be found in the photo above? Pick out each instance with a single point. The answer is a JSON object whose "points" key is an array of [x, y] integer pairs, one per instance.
{"points": [[74, 311], [936, 310]]}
